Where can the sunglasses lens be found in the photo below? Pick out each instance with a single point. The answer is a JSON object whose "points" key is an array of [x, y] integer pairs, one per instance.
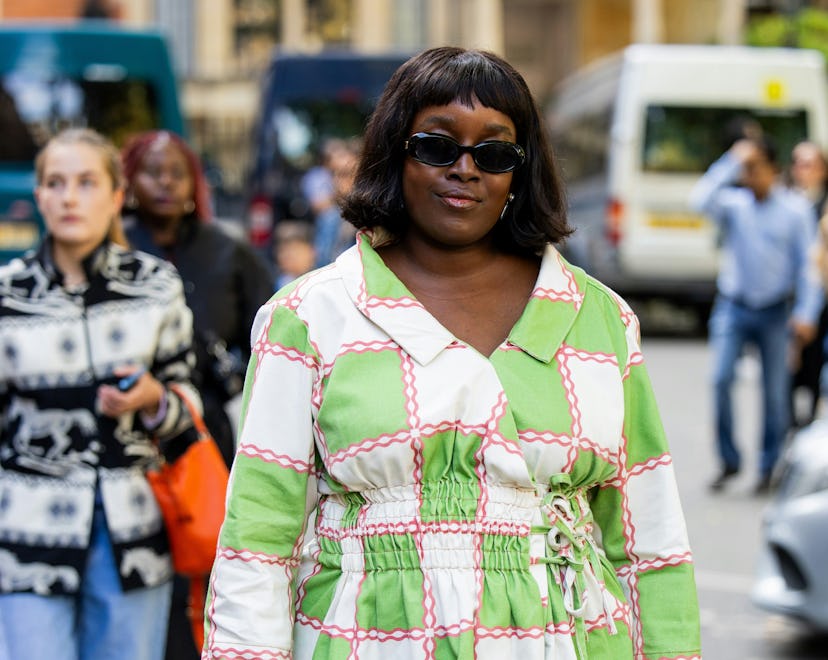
{"points": [[435, 150], [439, 151], [496, 157]]}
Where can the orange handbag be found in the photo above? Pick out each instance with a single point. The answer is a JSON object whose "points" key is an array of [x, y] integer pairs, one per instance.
{"points": [[190, 492]]}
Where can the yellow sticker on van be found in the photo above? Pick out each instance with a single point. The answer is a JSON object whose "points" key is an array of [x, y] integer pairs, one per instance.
{"points": [[775, 91]]}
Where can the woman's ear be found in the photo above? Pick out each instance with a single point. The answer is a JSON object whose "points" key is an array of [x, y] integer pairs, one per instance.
{"points": [[38, 200]]}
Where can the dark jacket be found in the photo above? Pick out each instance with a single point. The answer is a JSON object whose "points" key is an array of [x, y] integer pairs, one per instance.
{"points": [[225, 283]]}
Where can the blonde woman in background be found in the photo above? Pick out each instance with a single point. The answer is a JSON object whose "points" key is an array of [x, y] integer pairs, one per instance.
{"points": [[92, 334]]}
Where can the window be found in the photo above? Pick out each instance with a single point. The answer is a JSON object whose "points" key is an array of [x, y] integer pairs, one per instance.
{"points": [[582, 145], [32, 110], [256, 29], [688, 139]]}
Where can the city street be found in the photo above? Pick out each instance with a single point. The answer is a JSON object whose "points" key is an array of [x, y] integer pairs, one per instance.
{"points": [[725, 528]]}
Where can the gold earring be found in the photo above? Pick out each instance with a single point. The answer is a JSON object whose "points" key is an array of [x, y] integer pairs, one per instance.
{"points": [[130, 202], [189, 206]]}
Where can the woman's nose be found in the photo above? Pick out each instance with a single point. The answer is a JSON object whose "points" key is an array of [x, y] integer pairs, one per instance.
{"points": [[465, 166], [165, 179], [70, 193]]}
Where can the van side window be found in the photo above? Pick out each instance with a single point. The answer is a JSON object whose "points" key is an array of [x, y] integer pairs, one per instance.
{"points": [[678, 139], [583, 147], [33, 109], [17, 144]]}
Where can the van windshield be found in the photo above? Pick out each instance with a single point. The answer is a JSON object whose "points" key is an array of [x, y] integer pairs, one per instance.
{"points": [[32, 110], [682, 139], [300, 126]]}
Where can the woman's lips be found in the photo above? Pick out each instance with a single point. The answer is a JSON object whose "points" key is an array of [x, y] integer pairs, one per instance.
{"points": [[459, 200]]}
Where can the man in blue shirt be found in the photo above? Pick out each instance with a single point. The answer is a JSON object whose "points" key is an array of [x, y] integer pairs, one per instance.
{"points": [[768, 289]]}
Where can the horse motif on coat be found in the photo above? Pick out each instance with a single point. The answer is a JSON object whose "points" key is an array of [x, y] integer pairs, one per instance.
{"points": [[54, 425], [35, 576], [152, 567]]}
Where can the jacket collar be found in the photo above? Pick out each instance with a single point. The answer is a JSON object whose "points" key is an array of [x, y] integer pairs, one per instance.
{"points": [[384, 299], [92, 265], [140, 236]]}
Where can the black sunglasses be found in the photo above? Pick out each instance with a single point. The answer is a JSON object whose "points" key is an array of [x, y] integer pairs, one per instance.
{"points": [[493, 156]]}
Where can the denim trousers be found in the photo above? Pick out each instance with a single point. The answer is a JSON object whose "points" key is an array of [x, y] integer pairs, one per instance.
{"points": [[101, 622], [733, 327]]}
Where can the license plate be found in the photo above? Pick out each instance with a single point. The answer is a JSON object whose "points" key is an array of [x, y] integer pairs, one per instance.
{"points": [[676, 221], [18, 235]]}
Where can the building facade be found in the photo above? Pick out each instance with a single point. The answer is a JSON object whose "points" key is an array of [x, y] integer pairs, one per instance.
{"points": [[221, 47]]}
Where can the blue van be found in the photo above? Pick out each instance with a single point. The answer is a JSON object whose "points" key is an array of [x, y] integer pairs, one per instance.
{"points": [[55, 75], [305, 99]]}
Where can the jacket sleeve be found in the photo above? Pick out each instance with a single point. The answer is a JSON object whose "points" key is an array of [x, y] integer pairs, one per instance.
{"points": [[809, 291], [642, 526], [256, 287], [174, 359], [709, 195], [249, 611]]}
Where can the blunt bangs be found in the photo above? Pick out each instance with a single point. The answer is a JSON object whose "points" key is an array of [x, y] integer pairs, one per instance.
{"points": [[465, 76]]}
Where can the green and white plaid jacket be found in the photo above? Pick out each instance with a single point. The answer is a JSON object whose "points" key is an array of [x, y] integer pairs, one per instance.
{"points": [[521, 505]]}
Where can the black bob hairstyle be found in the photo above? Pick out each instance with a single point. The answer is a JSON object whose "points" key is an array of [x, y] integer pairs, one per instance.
{"points": [[440, 76]]}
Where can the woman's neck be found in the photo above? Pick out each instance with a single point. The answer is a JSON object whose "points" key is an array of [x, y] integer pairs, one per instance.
{"points": [[442, 262], [453, 274], [69, 261], [163, 231]]}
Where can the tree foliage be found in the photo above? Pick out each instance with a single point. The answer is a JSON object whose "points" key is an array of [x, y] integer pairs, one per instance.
{"points": [[807, 28]]}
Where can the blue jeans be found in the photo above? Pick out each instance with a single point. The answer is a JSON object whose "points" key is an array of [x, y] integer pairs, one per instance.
{"points": [[102, 622], [732, 326]]}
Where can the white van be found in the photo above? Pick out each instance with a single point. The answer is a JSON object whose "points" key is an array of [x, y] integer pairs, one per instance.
{"points": [[636, 130]]}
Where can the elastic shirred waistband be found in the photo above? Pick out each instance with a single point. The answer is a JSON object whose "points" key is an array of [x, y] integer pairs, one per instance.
{"points": [[391, 528]]}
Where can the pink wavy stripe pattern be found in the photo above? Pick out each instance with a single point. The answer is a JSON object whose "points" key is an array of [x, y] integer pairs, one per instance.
{"points": [[248, 556], [229, 653], [421, 634], [269, 456], [413, 526]]}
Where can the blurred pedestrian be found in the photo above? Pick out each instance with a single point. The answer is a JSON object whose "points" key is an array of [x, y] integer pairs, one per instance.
{"points": [[92, 335], [323, 187], [768, 290], [809, 175], [462, 410], [343, 168], [293, 251], [168, 214], [317, 185]]}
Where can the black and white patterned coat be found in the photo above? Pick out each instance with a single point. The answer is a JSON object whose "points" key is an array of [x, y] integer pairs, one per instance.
{"points": [[57, 346]]}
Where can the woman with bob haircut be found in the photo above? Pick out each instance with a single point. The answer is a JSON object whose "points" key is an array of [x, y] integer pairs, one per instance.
{"points": [[537, 214], [465, 416]]}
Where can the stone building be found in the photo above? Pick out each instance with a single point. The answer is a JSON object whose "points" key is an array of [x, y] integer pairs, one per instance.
{"points": [[222, 46]]}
